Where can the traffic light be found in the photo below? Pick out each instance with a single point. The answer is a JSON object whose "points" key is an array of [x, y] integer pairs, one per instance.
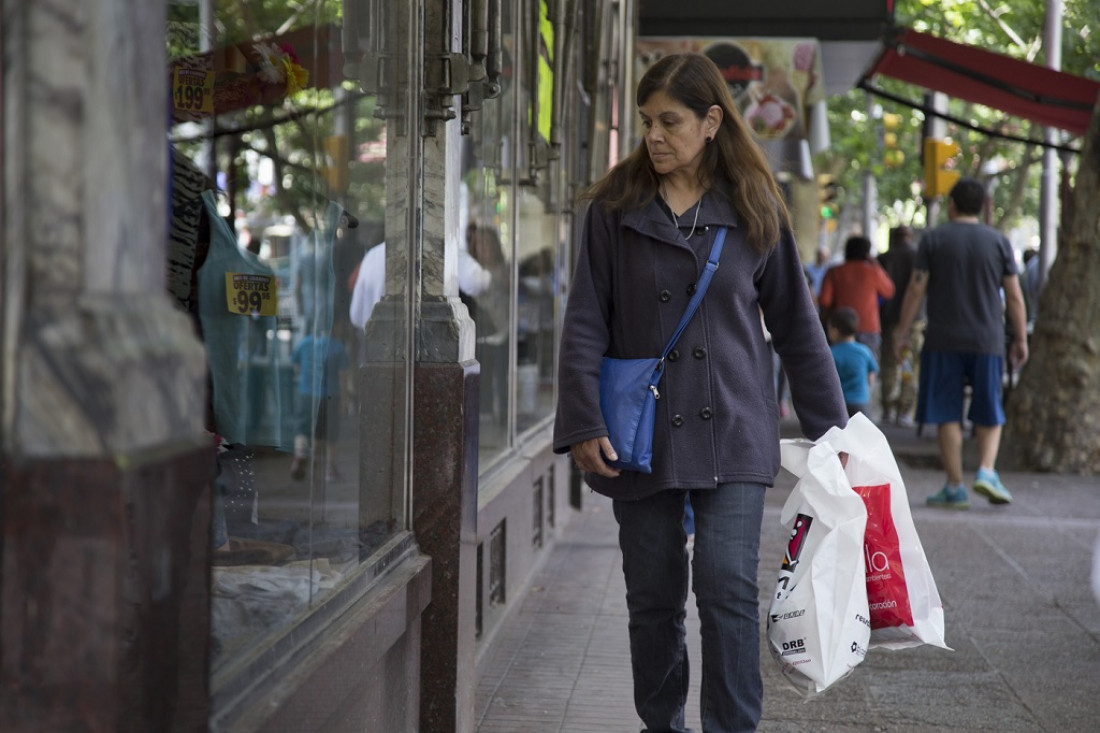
{"points": [[826, 195], [892, 155], [938, 179]]}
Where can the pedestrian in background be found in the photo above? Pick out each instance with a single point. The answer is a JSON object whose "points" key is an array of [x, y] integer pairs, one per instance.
{"points": [[815, 271], [855, 364], [489, 311], [647, 234], [319, 359], [1031, 285], [963, 266], [898, 377], [858, 283]]}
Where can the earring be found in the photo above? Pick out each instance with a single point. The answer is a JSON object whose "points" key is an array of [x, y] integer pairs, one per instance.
{"points": [[710, 139]]}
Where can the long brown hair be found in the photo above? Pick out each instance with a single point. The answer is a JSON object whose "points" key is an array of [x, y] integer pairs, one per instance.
{"points": [[732, 157]]}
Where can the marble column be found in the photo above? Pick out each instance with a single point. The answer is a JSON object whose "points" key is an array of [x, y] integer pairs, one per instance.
{"points": [[104, 470], [422, 232]]}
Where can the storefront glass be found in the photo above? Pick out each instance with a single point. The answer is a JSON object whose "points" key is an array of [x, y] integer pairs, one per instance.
{"points": [[487, 262], [538, 280], [278, 192], [539, 207], [511, 234]]}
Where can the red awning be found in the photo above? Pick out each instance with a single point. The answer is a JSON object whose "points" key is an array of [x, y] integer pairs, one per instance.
{"points": [[1037, 93]]}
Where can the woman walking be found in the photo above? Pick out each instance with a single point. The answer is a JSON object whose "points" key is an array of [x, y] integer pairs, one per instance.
{"points": [[648, 231]]}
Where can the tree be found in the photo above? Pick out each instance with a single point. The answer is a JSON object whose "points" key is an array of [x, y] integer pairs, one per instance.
{"points": [[288, 132], [1015, 29], [1054, 412]]}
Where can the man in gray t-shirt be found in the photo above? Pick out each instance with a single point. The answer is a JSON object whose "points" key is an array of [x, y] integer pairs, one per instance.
{"points": [[963, 266]]}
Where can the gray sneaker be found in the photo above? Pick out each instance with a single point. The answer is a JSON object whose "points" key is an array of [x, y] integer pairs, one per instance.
{"points": [[950, 497]]}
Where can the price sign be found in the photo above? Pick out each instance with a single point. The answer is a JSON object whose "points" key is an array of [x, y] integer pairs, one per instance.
{"points": [[247, 294], [193, 91]]}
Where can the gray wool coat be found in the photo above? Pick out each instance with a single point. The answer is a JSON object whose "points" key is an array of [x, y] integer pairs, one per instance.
{"points": [[717, 418]]}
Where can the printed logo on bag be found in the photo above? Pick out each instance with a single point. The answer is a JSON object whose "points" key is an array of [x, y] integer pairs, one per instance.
{"points": [[794, 646], [878, 564], [887, 592], [799, 532], [777, 617]]}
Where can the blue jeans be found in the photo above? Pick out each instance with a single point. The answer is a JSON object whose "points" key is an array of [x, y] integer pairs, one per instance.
{"points": [[655, 565], [689, 515]]}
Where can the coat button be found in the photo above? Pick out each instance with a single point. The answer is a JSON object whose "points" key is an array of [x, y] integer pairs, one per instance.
{"points": [[699, 352], [705, 413], [677, 420], [691, 289], [665, 296], [674, 355]]}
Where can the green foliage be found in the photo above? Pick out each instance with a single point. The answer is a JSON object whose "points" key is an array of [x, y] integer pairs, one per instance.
{"points": [[1014, 29], [246, 20], [289, 133]]}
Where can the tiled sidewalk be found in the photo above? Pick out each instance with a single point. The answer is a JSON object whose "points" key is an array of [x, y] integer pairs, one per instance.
{"points": [[563, 662], [1021, 619]]}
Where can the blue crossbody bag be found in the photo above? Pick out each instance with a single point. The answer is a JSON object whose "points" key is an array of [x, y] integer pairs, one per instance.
{"points": [[628, 387]]}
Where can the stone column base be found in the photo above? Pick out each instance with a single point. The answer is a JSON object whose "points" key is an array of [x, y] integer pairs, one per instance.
{"points": [[104, 591]]}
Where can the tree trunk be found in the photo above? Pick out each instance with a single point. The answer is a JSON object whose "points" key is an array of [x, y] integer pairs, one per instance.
{"points": [[1054, 412]]}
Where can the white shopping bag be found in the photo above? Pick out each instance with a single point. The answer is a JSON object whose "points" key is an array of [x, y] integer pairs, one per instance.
{"points": [[905, 607], [818, 627]]}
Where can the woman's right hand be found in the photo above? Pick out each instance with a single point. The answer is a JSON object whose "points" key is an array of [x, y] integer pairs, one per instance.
{"points": [[589, 456]]}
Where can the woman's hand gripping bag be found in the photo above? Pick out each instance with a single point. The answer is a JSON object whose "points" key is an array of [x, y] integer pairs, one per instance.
{"points": [[818, 629], [904, 604]]}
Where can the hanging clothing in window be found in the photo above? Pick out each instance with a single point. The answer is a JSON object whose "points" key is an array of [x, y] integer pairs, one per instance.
{"points": [[238, 303]]}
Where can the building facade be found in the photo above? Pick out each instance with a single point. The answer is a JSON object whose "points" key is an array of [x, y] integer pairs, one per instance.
{"points": [[281, 291]]}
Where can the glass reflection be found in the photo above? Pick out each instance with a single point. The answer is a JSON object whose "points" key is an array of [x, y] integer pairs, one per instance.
{"points": [[535, 306], [278, 191]]}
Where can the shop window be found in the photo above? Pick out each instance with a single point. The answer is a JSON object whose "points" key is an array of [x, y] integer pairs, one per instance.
{"points": [[487, 254], [512, 234], [535, 329], [278, 193], [538, 234]]}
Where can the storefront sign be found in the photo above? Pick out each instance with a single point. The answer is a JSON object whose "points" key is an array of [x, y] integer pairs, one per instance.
{"points": [[774, 81]]}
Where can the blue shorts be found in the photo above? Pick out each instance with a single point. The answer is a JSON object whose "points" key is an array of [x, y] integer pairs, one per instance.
{"points": [[943, 379]]}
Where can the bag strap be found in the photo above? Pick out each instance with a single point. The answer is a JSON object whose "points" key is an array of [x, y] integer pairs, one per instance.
{"points": [[700, 291]]}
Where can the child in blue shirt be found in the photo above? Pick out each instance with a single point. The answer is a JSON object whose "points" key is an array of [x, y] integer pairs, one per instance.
{"points": [[855, 362]]}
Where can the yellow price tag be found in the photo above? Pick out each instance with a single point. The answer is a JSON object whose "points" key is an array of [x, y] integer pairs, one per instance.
{"points": [[248, 294], [193, 90]]}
